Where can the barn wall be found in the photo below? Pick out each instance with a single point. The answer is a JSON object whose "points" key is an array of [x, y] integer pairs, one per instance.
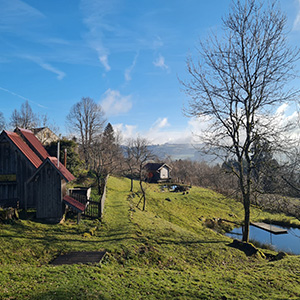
{"points": [[15, 169], [48, 188]]}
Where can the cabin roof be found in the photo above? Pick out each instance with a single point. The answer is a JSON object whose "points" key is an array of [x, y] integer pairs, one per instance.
{"points": [[155, 166], [24, 148], [80, 207], [37, 130], [62, 169], [33, 141], [22, 145]]}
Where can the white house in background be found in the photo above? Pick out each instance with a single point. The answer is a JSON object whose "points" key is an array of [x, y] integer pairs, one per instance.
{"points": [[157, 172], [45, 135]]}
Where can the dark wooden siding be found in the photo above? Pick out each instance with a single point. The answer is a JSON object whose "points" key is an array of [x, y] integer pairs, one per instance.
{"points": [[48, 188], [12, 162]]}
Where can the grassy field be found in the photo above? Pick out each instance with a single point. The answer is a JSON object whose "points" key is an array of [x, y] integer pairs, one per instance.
{"points": [[165, 252]]}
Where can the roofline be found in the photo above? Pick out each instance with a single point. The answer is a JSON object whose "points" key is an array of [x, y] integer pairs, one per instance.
{"points": [[165, 165], [162, 165], [53, 165], [33, 142], [6, 134]]}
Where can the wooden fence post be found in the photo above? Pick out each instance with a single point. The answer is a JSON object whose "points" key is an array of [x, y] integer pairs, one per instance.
{"points": [[102, 200]]}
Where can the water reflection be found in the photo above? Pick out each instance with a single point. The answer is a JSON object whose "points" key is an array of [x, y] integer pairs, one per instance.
{"points": [[289, 242]]}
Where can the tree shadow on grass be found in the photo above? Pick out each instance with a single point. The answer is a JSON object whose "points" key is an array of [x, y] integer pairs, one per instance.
{"points": [[162, 242], [52, 239], [69, 293], [247, 248]]}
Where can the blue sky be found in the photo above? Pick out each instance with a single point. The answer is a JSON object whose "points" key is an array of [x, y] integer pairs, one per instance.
{"points": [[125, 54]]}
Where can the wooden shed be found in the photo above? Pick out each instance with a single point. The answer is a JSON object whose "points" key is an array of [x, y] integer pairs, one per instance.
{"points": [[157, 172], [29, 177], [48, 186], [17, 164]]}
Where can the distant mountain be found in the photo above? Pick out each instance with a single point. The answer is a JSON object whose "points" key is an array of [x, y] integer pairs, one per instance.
{"points": [[179, 151]]}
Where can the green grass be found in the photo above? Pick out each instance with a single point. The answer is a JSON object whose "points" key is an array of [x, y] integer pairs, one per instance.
{"points": [[165, 252]]}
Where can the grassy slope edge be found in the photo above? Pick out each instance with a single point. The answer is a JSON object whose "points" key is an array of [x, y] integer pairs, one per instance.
{"points": [[165, 252]]}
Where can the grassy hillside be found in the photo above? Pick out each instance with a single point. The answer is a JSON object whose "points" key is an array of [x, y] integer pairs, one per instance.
{"points": [[166, 252]]}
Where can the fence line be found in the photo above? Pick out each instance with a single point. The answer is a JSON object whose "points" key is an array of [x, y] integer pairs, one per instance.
{"points": [[103, 198], [94, 209]]}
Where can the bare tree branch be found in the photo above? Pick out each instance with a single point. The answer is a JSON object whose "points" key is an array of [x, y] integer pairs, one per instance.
{"points": [[237, 82]]}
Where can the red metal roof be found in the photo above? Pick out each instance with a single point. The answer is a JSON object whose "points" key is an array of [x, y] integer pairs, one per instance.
{"points": [[62, 169], [31, 155], [34, 142], [74, 203], [25, 149]]}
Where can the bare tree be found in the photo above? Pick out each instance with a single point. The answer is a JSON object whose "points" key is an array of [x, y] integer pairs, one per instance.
{"points": [[44, 121], [139, 153], [105, 156], [86, 119], [237, 82], [130, 162], [2, 121], [25, 118]]}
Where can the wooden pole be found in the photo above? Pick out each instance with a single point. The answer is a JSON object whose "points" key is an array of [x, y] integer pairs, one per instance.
{"points": [[65, 161]]}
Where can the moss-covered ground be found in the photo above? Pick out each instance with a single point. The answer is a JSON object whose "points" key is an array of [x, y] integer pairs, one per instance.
{"points": [[165, 252]]}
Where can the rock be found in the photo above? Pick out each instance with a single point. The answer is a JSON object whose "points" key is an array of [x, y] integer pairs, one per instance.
{"points": [[248, 248], [279, 256]]}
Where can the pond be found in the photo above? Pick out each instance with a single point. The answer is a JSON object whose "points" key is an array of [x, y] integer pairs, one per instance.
{"points": [[289, 242]]}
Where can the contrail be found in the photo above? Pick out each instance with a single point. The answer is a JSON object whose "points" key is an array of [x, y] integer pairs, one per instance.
{"points": [[22, 97]]}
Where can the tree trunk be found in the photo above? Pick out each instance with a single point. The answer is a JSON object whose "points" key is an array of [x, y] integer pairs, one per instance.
{"points": [[131, 181], [131, 184], [143, 195], [246, 227]]}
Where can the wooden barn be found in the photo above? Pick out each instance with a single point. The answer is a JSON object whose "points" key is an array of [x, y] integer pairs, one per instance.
{"points": [[157, 172], [29, 177], [48, 186]]}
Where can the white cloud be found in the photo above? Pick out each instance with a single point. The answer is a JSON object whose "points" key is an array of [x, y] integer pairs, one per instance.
{"points": [[128, 71], [157, 43], [114, 103], [95, 13], [16, 12], [104, 60], [127, 131], [46, 66], [160, 123], [296, 25], [282, 109], [157, 134], [287, 115], [160, 63], [200, 124], [162, 132], [171, 137]]}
